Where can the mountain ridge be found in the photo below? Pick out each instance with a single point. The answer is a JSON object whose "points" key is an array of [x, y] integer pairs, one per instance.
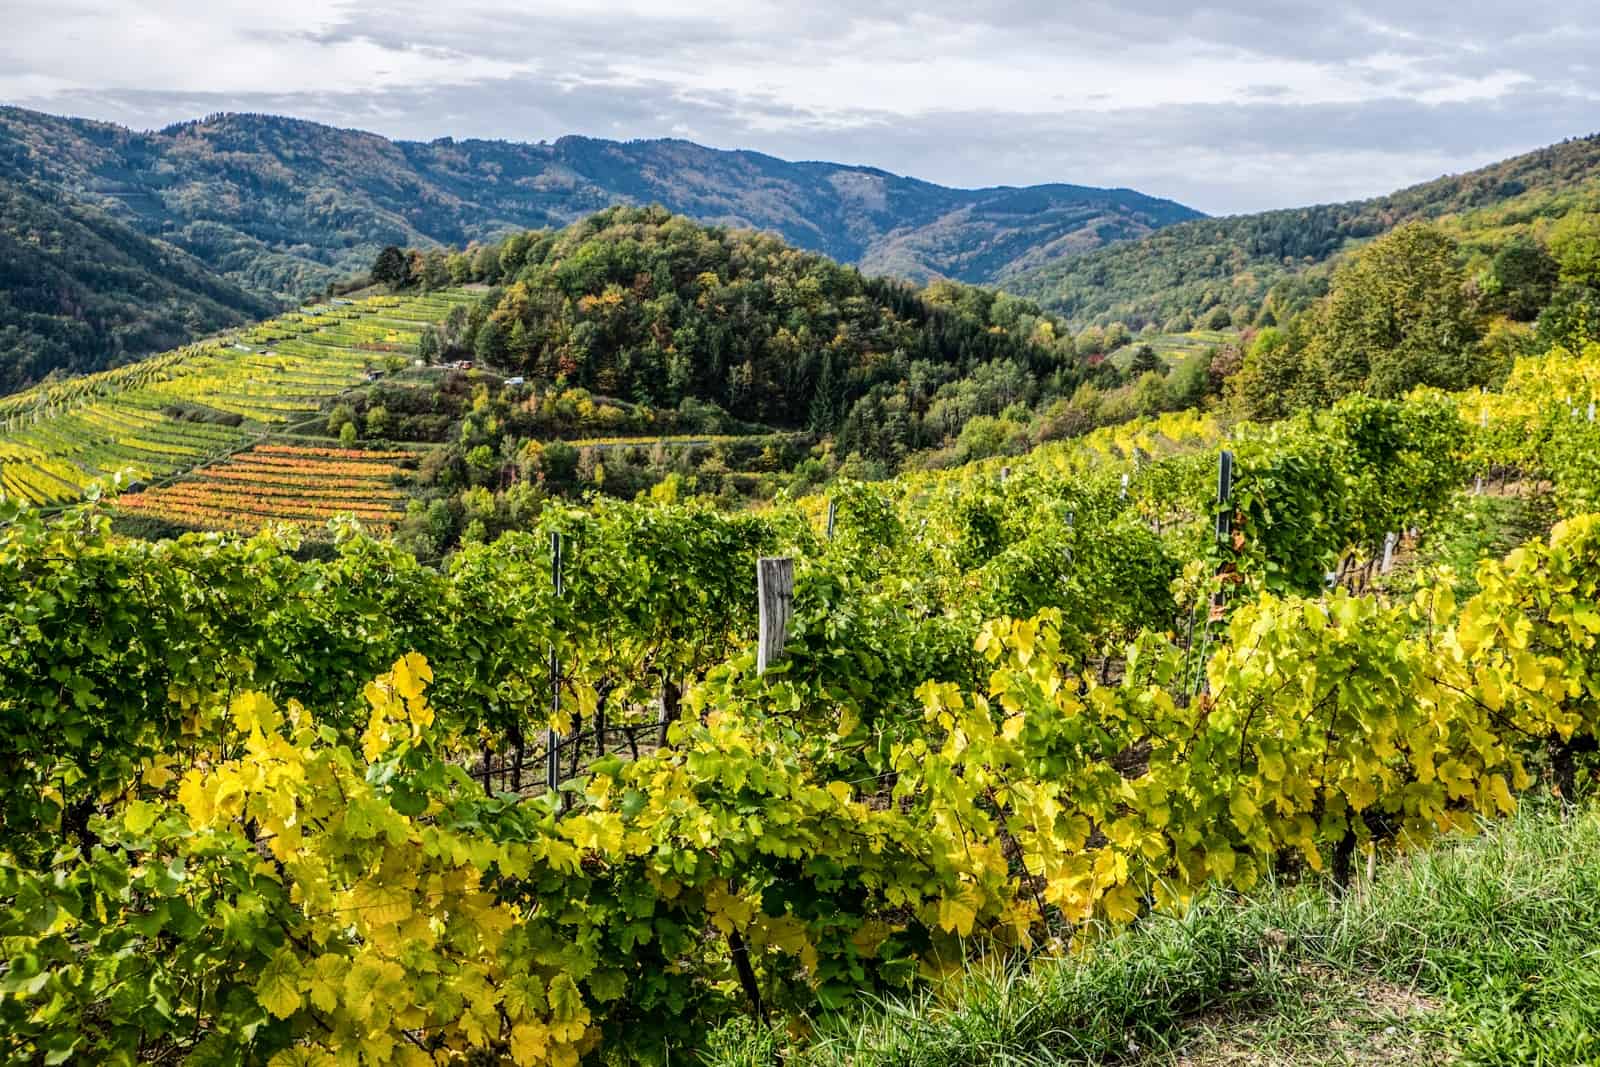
{"points": [[81, 291], [325, 199], [1227, 261]]}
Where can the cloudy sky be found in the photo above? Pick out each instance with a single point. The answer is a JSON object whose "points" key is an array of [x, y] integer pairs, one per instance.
{"points": [[1234, 106]]}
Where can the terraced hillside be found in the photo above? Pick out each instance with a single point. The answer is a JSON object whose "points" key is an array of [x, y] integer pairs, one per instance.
{"points": [[300, 485], [167, 415]]}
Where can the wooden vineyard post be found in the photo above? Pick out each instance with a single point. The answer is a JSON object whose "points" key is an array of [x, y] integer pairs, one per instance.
{"points": [[1483, 423], [775, 593], [1224, 491], [833, 513], [670, 697], [1124, 494], [1005, 472], [1224, 514], [1224, 533], [1389, 541], [552, 740]]}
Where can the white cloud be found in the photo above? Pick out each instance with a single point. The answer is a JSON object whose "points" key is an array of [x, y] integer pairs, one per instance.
{"points": [[1165, 95]]}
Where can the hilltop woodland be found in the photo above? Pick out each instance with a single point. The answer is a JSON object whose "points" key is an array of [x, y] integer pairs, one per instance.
{"points": [[637, 323], [788, 369]]}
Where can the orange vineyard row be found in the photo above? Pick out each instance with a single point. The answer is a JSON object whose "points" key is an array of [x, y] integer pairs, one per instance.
{"points": [[280, 483]]}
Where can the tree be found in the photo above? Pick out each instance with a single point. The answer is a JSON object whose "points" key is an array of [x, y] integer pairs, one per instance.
{"points": [[1522, 278], [1145, 361], [428, 345], [391, 267], [1397, 316], [1575, 244], [489, 346], [1219, 318], [1571, 319], [1274, 378]]}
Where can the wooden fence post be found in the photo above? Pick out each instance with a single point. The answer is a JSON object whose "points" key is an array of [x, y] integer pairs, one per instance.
{"points": [[1224, 493], [552, 740], [833, 513], [775, 592], [670, 697]]}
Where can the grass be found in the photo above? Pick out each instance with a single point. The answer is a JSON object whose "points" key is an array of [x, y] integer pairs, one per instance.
{"points": [[1475, 528], [1477, 951]]}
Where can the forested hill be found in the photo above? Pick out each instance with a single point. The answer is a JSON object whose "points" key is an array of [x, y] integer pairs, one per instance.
{"points": [[281, 206], [1179, 273], [80, 291], [649, 307]]}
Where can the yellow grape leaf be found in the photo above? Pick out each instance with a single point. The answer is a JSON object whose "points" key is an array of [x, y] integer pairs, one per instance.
{"points": [[1243, 808], [278, 987], [1272, 766], [369, 984], [408, 1055], [1529, 674], [1220, 861], [411, 674], [1502, 795], [528, 1043], [600, 831], [1121, 904], [1362, 793], [566, 1003], [958, 913], [729, 911], [196, 799], [848, 721], [377, 1047], [1022, 639], [789, 935], [869, 936], [254, 711], [1489, 687], [159, 772], [380, 904], [324, 979], [140, 816]]}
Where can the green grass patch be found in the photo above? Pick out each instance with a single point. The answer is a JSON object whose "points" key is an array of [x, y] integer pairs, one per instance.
{"points": [[1477, 527], [1475, 951]]}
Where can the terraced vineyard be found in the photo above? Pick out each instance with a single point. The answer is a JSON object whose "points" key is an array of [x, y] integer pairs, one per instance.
{"points": [[1174, 348], [177, 411], [303, 486]]}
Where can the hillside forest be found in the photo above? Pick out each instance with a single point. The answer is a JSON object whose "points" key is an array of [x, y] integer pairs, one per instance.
{"points": [[636, 322]]}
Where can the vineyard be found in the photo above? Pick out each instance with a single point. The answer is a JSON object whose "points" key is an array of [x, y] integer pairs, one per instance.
{"points": [[151, 419], [298, 811], [303, 486]]}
